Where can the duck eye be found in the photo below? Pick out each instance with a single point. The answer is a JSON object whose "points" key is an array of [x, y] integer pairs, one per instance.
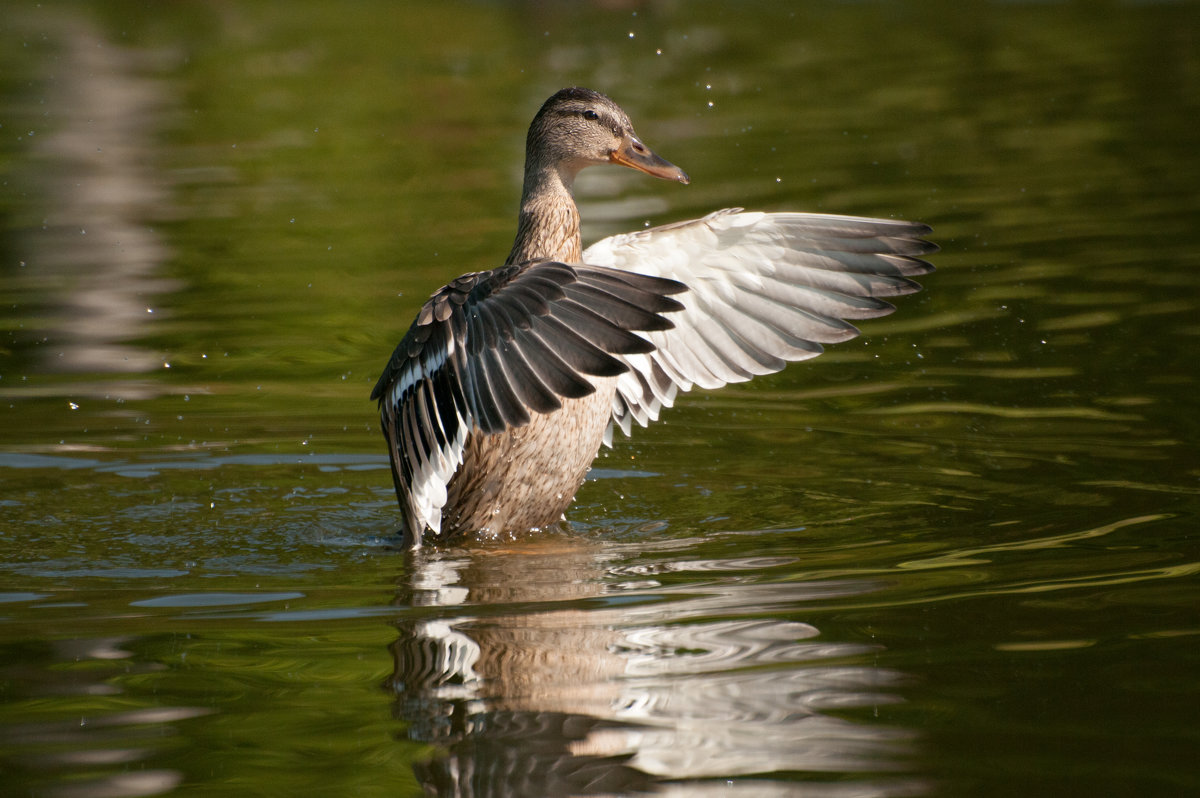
{"points": [[590, 114]]}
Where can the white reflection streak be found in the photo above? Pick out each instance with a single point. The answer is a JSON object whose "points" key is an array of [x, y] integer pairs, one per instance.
{"points": [[745, 721], [121, 785], [457, 655], [94, 252], [437, 583]]}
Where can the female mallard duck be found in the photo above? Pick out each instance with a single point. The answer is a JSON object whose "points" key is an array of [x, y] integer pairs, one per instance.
{"points": [[497, 399]]}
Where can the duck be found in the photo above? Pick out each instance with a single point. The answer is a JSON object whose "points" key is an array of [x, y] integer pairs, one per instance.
{"points": [[509, 381]]}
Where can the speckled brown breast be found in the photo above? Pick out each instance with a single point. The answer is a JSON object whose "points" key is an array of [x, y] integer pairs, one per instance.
{"points": [[526, 477]]}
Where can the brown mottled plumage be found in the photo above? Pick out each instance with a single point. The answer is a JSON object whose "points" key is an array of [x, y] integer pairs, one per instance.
{"points": [[499, 396], [525, 477]]}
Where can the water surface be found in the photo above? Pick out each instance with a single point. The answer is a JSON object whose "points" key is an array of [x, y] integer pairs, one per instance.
{"points": [[956, 556]]}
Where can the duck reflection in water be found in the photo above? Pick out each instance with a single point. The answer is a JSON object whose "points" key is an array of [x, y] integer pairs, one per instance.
{"points": [[553, 666]]}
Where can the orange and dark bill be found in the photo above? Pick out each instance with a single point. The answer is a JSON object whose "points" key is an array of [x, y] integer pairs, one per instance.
{"points": [[636, 155]]}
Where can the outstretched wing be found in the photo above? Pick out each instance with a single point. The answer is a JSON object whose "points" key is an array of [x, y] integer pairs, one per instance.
{"points": [[763, 289], [492, 347]]}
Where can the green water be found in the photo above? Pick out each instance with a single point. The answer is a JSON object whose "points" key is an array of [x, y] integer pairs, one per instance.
{"points": [[956, 556]]}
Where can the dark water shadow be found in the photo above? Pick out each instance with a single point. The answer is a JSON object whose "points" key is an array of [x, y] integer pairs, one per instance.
{"points": [[108, 749]]}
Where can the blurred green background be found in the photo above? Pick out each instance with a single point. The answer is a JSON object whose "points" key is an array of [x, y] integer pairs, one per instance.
{"points": [[217, 219]]}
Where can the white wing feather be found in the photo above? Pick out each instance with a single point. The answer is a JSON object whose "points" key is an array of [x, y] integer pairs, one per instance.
{"points": [[764, 289]]}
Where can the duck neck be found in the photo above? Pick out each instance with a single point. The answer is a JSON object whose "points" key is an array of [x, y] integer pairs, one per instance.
{"points": [[548, 224]]}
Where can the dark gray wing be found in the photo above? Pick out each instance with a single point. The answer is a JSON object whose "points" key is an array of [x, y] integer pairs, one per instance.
{"points": [[491, 348]]}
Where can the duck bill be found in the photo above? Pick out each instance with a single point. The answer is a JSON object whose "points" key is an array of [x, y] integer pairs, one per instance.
{"points": [[636, 155]]}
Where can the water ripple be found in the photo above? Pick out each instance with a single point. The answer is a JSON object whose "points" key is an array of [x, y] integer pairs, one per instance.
{"points": [[660, 686]]}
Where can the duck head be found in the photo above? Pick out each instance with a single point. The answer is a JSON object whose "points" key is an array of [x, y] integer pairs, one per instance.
{"points": [[579, 127]]}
